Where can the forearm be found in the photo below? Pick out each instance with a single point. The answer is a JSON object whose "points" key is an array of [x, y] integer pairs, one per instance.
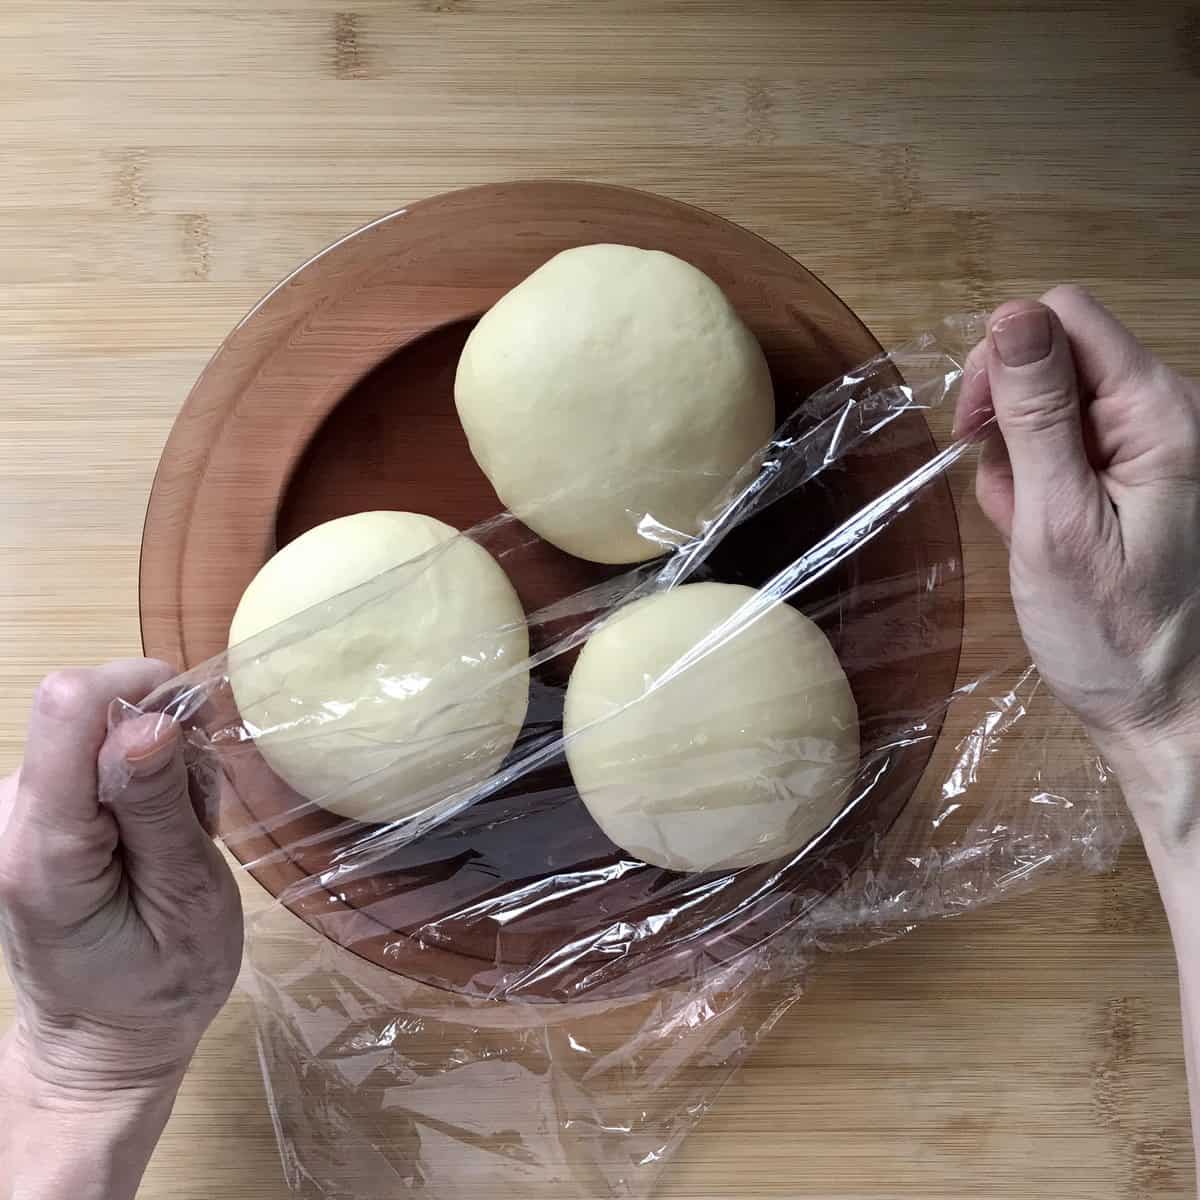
{"points": [[1162, 786], [58, 1145], [1181, 899]]}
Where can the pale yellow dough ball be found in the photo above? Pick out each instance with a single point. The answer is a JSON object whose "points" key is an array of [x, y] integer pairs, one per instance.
{"points": [[613, 384], [742, 757], [395, 699]]}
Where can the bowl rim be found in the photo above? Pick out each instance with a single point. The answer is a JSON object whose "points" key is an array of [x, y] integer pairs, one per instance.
{"points": [[182, 503]]}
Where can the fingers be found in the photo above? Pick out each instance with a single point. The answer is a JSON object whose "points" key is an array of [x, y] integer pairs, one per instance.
{"points": [[973, 407], [994, 484], [1107, 355], [174, 870], [974, 416], [67, 727], [1032, 378], [1143, 418], [8, 798], [158, 828]]}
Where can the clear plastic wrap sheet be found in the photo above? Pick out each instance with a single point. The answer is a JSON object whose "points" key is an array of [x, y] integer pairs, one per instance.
{"points": [[485, 990]]}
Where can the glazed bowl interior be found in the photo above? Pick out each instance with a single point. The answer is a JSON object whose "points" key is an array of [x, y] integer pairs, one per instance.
{"points": [[335, 395]]}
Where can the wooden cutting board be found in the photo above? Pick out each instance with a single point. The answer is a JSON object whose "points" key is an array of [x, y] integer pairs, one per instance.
{"points": [[165, 165]]}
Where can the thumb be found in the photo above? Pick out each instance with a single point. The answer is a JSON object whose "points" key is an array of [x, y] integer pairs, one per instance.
{"points": [[1031, 372], [158, 828]]}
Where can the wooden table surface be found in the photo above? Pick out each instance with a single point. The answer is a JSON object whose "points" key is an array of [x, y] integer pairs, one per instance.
{"points": [[163, 165]]}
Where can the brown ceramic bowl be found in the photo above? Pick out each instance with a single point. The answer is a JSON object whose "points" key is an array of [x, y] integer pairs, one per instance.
{"points": [[335, 395]]}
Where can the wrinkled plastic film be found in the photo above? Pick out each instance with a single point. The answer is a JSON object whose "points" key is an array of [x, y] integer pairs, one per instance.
{"points": [[493, 943], [838, 422]]}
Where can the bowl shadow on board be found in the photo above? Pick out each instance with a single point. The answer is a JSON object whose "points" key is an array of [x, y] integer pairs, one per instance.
{"points": [[496, 894]]}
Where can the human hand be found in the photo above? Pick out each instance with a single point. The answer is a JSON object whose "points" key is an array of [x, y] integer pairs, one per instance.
{"points": [[121, 926], [1093, 479]]}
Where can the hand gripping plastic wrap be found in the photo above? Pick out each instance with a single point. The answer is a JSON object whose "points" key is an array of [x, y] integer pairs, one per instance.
{"points": [[461, 981]]}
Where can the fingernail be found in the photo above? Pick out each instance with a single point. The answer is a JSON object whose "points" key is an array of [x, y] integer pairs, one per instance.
{"points": [[1022, 338], [156, 753]]}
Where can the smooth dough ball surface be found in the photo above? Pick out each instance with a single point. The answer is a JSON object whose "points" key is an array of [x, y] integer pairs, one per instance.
{"points": [[610, 384], [399, 697], [740, 758]]}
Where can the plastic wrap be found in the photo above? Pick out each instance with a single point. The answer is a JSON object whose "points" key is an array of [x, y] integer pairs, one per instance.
{"points": [[487, 990]]}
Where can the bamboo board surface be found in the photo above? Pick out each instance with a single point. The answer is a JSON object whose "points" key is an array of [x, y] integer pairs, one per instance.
{"points": [[164, 165]]}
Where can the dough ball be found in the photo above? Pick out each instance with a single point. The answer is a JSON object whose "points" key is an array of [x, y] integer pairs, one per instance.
{"points": [[612, 383], [398, 698], [740, 758]]}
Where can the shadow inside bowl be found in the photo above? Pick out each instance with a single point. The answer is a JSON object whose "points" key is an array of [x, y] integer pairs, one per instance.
{"points": [[527, 871], [303, 416]]}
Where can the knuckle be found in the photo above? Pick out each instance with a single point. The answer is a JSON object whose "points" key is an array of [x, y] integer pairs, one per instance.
{"points": [[1185, 433], [1069, 296], [1007, 309], [1067, 533], [1187, 441], [1041, 408], [22, 878], [1176, 417], [66, 695], [161, 798], [13, 882], [163, 835], [157, 821], [161, 794]]}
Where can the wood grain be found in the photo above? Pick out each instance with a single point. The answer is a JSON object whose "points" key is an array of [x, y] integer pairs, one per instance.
{"points": [[165, 165]]}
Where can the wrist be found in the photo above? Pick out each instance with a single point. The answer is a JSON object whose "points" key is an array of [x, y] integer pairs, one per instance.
{"points": [[102, 1133], [80, 1055], [1159, 773], [50, 1073]]}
